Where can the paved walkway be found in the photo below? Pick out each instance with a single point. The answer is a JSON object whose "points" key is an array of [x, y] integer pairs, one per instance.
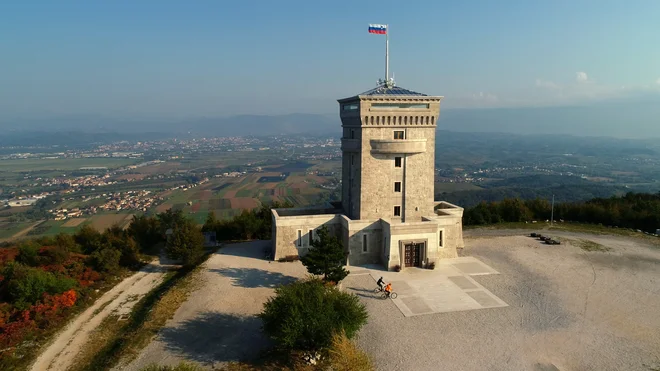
{"points": [[447, 288]]}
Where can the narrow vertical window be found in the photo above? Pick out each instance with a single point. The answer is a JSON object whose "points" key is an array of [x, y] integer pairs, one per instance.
{"points": [[397, 186], [440, 236], [352, 134], [352, 159], [397, 162], [364, 243], [299, 238], [397, 210], [310, 237]]}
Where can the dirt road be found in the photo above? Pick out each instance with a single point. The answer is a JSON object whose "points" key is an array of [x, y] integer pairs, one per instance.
{"points": [[119, 301]]}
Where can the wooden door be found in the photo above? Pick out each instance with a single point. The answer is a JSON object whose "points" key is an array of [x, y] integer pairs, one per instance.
{"points": [[419, 250], [408, 255]]}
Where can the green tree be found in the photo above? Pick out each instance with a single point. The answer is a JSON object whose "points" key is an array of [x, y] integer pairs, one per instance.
{"points": [[326, 257], [145, 230], [211, 222], [305, 315], [105, 259], [186, 243], [88, 238], [169, 219], [66, 242], [28, 254]]}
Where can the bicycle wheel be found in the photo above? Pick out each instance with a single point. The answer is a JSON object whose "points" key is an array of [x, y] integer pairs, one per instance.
{"points": [[384, 296], [393, 295], [377, 290]]}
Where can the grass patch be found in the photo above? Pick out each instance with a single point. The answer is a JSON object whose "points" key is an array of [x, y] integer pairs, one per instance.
{"points": [[122, 341], [587, 245]]}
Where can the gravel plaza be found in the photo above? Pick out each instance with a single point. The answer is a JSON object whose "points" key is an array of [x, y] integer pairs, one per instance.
{"points": [[508, 303]]}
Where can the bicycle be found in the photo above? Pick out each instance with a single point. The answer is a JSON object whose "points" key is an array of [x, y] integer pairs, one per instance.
{"points": [[391, 295]]}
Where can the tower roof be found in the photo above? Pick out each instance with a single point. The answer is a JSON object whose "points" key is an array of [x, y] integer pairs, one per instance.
{"points": [[394, 90]]}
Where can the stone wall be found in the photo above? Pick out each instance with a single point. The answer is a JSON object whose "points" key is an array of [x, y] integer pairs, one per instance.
{"points": [[285, 236]]}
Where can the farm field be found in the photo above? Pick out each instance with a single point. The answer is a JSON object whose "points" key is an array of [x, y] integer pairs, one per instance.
{"points": [[9, 229], [103, 221], [227, 197]]}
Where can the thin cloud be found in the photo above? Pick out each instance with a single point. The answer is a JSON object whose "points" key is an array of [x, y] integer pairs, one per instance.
{"points": [[581, 77], [546, 84]]}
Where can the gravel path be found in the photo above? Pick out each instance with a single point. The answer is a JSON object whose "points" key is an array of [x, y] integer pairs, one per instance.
{"points": [[568, 310], [218, 323], [119, 300]]}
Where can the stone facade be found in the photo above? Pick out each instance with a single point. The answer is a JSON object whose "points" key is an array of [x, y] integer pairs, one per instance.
{"points": [[387, 214]]}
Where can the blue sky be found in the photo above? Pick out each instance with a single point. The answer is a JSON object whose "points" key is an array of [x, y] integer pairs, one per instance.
{"points": [[176, 59]]}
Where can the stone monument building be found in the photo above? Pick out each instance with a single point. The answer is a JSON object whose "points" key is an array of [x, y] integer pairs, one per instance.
{"points": [[387, 214]]}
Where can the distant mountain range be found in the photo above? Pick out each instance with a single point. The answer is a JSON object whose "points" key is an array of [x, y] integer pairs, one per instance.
{"points": [[622, 119]]}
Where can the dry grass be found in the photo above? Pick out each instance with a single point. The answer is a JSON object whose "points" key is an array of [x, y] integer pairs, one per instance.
{"points": [[116, 341], [183, 366], [344, 355]]}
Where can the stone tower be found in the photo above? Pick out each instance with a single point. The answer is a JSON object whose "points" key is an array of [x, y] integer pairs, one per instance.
{"points": [[388, 147]]}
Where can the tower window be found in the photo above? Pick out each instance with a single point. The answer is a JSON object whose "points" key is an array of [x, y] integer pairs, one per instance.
{"points": [[397, 210], [388, 119], [427, 120], [397, 186], [310, 237], [397, 162], [299, 238], [352, 134], [440, 235], [365, 247], [352, 159], [399, 134]]}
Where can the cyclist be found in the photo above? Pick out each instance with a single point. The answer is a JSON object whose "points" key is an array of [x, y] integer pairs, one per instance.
{"points": [[380, 283], [388, 289]]}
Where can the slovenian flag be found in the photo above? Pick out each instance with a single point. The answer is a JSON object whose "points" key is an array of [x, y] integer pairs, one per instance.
{"points": [[380, 29]]}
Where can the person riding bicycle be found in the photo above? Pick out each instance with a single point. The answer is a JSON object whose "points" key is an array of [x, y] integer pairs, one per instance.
{"points": [[380, 283], [388, 289]]}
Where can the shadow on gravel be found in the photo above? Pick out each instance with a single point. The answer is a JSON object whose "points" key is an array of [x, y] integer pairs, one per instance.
{"points": [[365, 293], [250, 249], [253, 277], [216, 337], [630, 261]]}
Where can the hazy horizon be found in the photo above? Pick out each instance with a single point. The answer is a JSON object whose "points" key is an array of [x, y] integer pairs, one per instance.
{"points": [[173, 62]]}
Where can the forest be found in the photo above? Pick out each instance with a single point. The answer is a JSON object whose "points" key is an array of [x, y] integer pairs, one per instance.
{"points": [[633, 210]]}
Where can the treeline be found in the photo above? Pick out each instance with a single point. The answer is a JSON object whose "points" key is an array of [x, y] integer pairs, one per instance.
{"points": [[566, 193], [634, 210], [248, 225]]}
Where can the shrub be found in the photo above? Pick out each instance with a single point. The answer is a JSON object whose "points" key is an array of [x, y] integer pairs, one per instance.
{"points": [[28, 254], [344, 355], [105, 259], [27, 285], [306, 314]]}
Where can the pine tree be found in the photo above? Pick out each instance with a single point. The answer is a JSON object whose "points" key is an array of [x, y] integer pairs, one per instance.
{"points": [[326, 257], [186, 243]]}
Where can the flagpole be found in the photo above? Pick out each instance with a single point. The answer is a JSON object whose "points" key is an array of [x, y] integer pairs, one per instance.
{"points": [[387, 54]]}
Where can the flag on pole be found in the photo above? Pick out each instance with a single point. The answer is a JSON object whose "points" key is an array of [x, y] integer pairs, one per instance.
{"points": [[380, 29]]}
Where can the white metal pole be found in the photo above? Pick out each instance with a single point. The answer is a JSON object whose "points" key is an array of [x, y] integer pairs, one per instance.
{"points": [[387, 54]]}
